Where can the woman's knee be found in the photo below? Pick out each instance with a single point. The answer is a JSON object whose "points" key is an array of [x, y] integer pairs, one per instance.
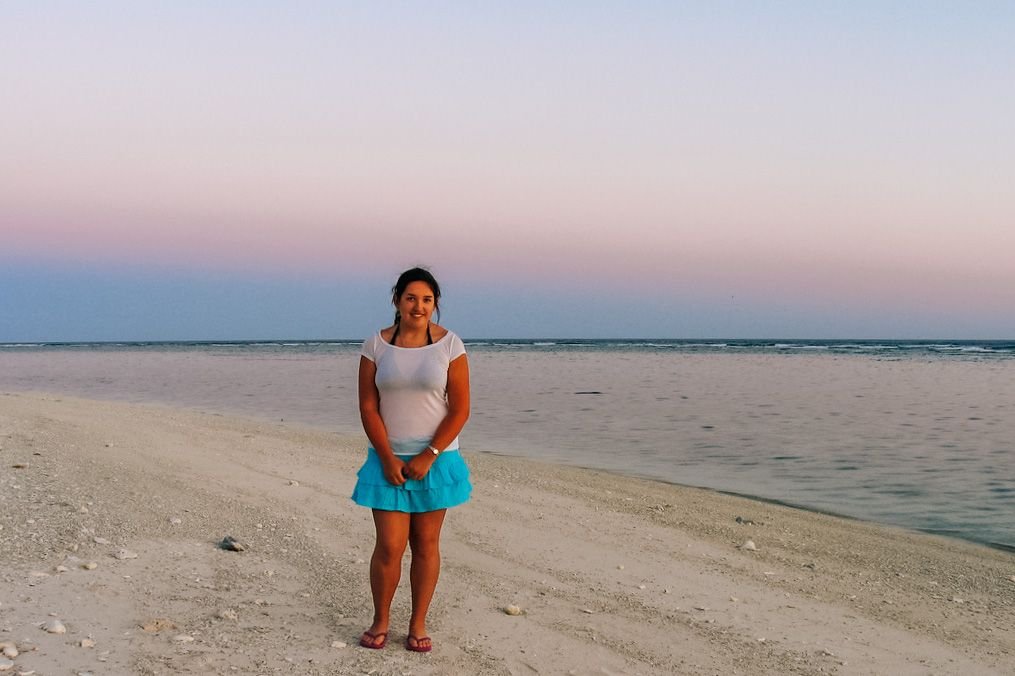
{"points": [[389, 551], [425, 544]]}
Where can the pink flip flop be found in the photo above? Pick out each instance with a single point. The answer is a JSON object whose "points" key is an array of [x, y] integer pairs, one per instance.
{"points": [[418, 648], [373, 644]]}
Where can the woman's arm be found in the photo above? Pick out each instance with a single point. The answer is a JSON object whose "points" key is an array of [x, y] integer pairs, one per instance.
{"points": [[454, 421], [373, 425]]}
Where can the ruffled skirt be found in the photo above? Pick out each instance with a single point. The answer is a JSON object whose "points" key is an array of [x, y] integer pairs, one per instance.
{"points": [[445, 485]]}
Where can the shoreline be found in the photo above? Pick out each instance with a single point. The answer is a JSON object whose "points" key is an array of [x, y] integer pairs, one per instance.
{"points": [[246, 416], [242, 415], [612, 572], [918, 444]]}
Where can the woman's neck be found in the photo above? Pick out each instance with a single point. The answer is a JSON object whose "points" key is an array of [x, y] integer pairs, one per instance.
{"points": [[406, 336]]}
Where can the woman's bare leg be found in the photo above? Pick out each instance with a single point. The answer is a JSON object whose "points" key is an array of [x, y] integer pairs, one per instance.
{"points": [[386, 567], [424, 539]]}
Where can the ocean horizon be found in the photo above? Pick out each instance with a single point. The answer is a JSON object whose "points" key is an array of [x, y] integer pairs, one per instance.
{"points": [[888, 346]]}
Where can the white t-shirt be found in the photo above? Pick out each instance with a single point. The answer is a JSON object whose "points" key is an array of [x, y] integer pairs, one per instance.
{"points": [[413, 385]]}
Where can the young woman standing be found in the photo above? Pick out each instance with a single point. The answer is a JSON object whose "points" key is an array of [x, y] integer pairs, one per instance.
{"points": [[414, 401]]}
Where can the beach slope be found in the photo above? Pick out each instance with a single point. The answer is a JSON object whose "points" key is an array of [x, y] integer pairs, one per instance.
{"points": [[111, 515]]}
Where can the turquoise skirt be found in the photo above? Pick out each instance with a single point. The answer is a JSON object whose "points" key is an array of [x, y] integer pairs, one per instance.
{"points": [[445, 485]]}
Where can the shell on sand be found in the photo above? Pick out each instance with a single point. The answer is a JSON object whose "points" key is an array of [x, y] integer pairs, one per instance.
{"points": [[55, 627], [749, 546], [513, 610]]}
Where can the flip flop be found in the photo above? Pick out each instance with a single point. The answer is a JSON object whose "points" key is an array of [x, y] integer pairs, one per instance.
{"points": [[373, 644], [418, 648]]}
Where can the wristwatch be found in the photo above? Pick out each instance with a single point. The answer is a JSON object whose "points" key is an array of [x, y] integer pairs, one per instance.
{"points": [[433, 450]]}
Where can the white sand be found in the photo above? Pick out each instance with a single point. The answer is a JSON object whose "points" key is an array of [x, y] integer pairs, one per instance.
{"points": [[615, 575]]}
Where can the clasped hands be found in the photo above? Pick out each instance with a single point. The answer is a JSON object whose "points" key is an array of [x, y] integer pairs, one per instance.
{"points": [[397, 471]]}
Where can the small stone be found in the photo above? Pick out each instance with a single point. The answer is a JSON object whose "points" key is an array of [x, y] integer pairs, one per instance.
{"points": [[338, 644], [6, 665], [227, 614], [513, 610], [83, 510], [183, 638], [100, 541], [87, 643], [293, 482], [956, 599], [20, 465], [9, 649], [587, 611], [641, 586], [109, 444], [1012, 578], [124, 554], [734, 599], [749, 546], [620, 567], [229, 543], [55, 627], [62, 569], [91, 565], [176, 521], [157, 625]]}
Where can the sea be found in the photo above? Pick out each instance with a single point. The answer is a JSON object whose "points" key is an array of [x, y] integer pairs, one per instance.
{"points": [[917, 434]]}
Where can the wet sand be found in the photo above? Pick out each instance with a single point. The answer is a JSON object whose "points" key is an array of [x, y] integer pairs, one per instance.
{"points": [[614, 575]]}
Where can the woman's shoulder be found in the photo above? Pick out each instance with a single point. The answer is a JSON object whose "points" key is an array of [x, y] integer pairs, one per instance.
{"points": [[452, 343], [386, 333], [437, 332]]}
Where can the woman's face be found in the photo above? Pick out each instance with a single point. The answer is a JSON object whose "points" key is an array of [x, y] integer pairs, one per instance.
{"points": [[417, 304]]}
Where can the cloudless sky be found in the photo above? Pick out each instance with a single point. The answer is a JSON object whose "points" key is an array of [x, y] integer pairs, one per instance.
{"points": [[587, 169]]}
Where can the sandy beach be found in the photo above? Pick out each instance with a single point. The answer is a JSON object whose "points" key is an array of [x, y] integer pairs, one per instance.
{"points": [[613, 575]]}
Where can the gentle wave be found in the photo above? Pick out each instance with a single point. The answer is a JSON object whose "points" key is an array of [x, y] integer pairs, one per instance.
{"points": [[958, 349]]}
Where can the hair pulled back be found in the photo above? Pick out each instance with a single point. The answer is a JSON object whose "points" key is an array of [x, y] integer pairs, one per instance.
{"points": [[416, 275]]}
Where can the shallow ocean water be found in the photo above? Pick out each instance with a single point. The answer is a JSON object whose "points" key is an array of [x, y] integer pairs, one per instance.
{"points": [[923, 439]]}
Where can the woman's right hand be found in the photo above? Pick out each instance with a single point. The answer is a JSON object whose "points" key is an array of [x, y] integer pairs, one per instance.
{"points": [[393, 471]]}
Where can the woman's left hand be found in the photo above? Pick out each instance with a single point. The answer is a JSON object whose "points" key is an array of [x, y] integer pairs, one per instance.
{"points": [[419, 465]]}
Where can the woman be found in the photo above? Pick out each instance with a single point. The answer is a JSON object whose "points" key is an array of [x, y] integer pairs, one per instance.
{"points": [[413, 401]]}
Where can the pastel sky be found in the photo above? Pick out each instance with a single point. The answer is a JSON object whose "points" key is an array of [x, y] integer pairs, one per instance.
{"points": [[573, 169]]}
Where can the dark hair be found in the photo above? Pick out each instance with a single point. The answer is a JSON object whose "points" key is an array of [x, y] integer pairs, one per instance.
{"points": [[416, 275]]}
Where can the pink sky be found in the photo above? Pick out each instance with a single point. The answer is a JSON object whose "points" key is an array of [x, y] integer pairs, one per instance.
{"points": [[798, 155]]}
